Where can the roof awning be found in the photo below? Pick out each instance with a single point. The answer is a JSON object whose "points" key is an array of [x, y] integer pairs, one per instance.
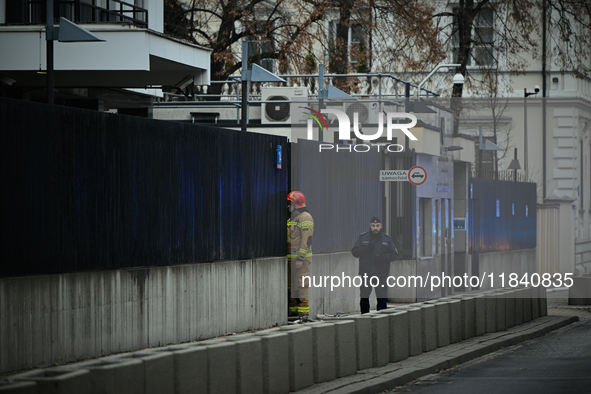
{"points": [[129, 58]]}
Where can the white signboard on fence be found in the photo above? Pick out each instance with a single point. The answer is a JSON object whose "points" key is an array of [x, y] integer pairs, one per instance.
{"points": [[393, 175]]}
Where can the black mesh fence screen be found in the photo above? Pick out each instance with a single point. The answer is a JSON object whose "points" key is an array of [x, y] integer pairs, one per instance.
{"points": [[342, 189], [503, 215], [86, 190]]}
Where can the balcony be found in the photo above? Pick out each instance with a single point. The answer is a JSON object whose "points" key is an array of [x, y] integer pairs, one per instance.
{"points": [[32, 12]]}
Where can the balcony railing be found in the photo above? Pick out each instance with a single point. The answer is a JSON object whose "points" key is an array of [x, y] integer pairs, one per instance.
{"points": [[80, 11], [502, 175]]}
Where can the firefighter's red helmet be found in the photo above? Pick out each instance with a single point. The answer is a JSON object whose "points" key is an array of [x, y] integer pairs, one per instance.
{"points": [[298, 199]]}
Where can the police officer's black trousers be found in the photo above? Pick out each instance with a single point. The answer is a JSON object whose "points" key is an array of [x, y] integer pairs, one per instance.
{"points": [[381, 295]]}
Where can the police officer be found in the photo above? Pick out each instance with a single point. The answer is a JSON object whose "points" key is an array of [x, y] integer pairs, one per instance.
{"points": [[375, 251], [300, 228]]}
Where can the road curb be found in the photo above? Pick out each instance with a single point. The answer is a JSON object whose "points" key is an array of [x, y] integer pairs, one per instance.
{"points": [[375, 380]]}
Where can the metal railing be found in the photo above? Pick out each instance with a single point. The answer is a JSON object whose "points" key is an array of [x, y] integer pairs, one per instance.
{"points": [[81, 11], [501, 175], [234, 86]]}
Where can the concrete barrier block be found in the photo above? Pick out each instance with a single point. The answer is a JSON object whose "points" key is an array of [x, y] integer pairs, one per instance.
{"points": [[509, 309], [441, 324], [275, 354], [158, 370], [467, 316], [455, 318], [380, 340], [501, 311], [59, 380], [221, 361], [535, 303], [115, 375], [190, 366], [416, 329], [543, 302], [345, 352], [7, 387], [491, 313], [415, 332], [398, 334], [301, 364], [324, 356], [429, 325], [249, 364], [480, 314], [527, 304], [519, 306], [363, 341]]}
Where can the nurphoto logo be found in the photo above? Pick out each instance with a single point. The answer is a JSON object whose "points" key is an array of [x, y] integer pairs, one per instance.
{"points": [[344, 124]]}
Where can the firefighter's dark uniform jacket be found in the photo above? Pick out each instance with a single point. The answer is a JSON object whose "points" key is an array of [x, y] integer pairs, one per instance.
{"points": [[375, 253]]}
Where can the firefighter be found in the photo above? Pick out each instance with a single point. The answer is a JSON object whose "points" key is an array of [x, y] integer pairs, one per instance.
{"points": [[300, 228]]}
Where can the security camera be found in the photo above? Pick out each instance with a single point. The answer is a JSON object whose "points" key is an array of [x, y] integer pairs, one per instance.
{"points": [[537, 89], [458, 79]]}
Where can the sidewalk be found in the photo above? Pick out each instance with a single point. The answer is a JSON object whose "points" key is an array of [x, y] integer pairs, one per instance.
{"points": [[375, 380]]}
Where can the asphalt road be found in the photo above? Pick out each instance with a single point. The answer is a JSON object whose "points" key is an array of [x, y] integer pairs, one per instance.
{"points": [[559, 362]]}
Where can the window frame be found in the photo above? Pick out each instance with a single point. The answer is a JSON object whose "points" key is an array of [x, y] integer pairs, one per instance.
{"points": [[479, 47]]}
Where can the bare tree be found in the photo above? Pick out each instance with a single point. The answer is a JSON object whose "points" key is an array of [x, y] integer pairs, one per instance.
{"points": [[280, 31], [284, 31], [387, 35], [490, 35], [491, 111]]}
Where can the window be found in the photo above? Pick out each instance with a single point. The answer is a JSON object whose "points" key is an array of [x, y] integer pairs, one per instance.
{"points": [[482, 37], [85, 11], [485, 161], [357, 44], [258, 46]]}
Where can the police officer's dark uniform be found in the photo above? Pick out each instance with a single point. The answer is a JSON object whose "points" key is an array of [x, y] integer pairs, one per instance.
{"points": [[375, 252]]}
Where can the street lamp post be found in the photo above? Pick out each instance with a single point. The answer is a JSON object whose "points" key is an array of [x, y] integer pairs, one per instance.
{"points": [[458, 78], [49, 50], [256, 74], [65, 32], [526, 94]]}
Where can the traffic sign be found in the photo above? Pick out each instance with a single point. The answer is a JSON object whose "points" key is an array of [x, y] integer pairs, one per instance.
{"points": [[417, 175], [393, 175]]}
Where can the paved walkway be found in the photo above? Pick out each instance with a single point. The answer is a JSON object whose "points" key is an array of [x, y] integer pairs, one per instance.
{"points": [[375, 380]]}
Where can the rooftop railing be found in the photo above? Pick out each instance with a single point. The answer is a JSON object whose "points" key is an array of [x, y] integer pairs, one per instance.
{"points": [[32, 12]]}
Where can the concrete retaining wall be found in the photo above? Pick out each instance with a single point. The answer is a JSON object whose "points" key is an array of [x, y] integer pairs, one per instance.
{"points": [[289, 358], [582, 257], [68, 317], [63, 318], [324, 301], [508, 262], [580, 292]]}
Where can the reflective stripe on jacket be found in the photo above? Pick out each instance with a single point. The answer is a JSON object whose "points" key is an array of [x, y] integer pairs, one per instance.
{"points": [[300, 228]]}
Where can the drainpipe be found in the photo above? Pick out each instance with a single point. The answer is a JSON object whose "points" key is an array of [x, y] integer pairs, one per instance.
{"points": [[544, 28]]}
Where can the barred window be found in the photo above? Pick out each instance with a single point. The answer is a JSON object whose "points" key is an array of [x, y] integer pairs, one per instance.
{"points": [[482, 37]]}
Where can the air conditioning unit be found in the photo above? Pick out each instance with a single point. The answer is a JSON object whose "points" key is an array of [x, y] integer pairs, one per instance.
{"points": [[287, 102], [368, 112]]}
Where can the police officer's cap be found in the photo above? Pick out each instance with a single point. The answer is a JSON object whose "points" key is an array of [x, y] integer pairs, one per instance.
{"points": [[375, 219]]}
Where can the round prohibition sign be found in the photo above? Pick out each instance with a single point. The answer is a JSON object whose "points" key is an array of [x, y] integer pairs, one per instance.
{"points": [[417, 175]]}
